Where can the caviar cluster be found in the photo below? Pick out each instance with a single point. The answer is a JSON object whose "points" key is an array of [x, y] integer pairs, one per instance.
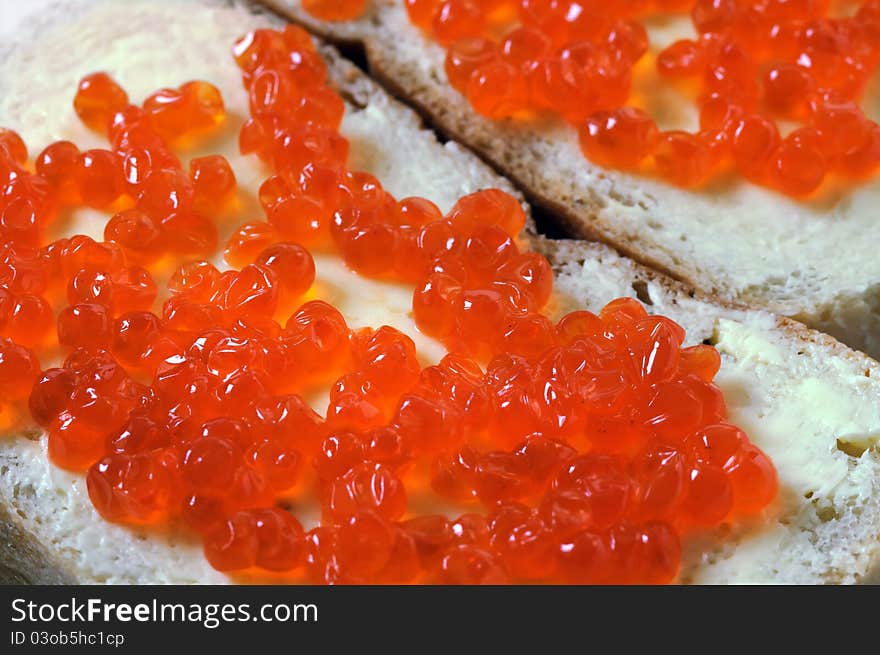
{"points": [[158, 203], [753, 65], [579, 451]]}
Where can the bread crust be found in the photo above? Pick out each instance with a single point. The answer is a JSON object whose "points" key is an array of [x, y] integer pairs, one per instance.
{"points": [[560, 251], [23, 559]]}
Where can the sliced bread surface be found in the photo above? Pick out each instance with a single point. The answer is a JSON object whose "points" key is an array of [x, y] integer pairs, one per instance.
{"points": [[812, 404], [810, 260]]}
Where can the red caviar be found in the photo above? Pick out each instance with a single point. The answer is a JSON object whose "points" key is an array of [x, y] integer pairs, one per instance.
{"points": [[753, 62], [586, 449], [335, 9]]}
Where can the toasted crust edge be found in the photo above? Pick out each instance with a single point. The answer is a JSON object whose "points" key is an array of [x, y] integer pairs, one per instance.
{"points": [[23, 559]]}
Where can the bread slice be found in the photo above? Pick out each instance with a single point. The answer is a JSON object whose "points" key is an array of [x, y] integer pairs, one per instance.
{"points": [[743, 243], [812, 404]]}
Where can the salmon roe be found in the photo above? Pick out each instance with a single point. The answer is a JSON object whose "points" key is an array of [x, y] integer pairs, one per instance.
{"points": [[581, 450], [750, 67], [335, 9]]}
